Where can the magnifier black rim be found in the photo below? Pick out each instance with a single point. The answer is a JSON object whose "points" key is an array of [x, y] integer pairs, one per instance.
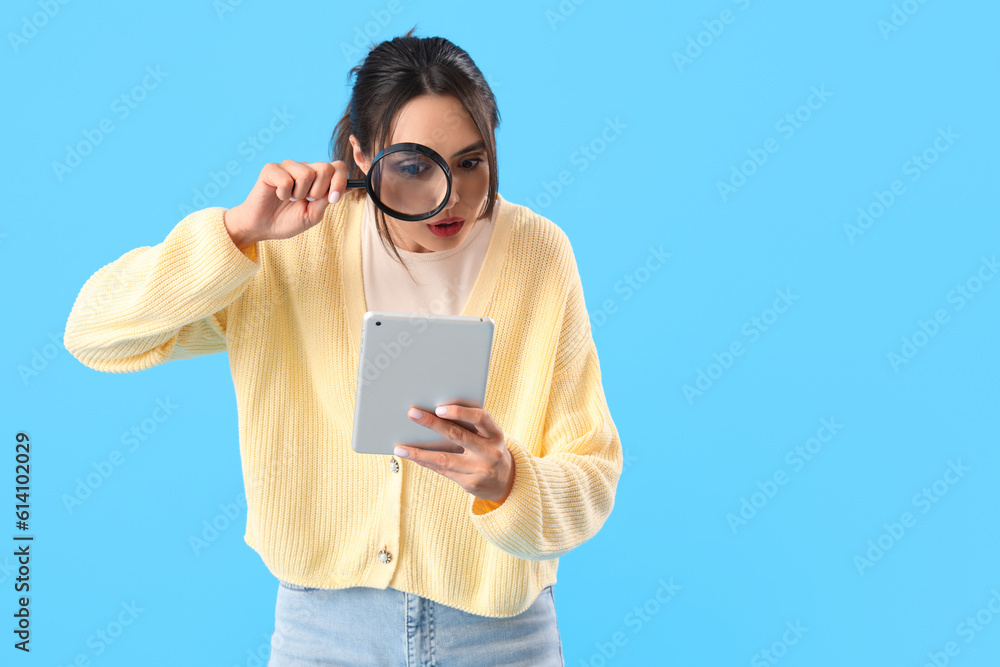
{"points": [[419, 148]]}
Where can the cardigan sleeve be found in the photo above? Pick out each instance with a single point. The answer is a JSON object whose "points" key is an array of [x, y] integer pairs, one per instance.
{"points": [[563, 493], [161, 303]]}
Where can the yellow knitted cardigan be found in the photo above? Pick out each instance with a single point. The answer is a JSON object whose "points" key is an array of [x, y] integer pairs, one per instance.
{"points": [[289, 314]]}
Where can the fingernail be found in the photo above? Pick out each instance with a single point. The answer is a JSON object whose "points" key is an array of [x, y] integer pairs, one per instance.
{"points": [[400, 452], [416, 414], [441, 411], [334, 196], [310, 199], [292, 199]]}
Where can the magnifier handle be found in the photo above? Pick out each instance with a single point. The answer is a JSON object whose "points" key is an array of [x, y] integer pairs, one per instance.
{"points": [[355, 182]]}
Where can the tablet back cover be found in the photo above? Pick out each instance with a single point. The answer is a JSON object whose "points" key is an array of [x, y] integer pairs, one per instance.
{"points": [[416, 359]]}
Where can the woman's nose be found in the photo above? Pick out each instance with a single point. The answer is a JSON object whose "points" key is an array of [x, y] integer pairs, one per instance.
{"points": [[453, 198]]}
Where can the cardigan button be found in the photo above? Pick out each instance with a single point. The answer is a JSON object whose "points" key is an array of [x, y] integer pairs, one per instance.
{"points": [[393, 465], [384, 556]]}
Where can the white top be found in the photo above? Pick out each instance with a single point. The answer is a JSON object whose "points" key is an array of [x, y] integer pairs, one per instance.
{"points": [[442, 280]]}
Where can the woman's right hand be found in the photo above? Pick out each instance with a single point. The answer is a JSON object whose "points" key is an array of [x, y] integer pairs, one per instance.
{"points": [[278, 206]]}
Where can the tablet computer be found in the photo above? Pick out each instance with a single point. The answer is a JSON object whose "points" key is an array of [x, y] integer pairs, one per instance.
{"points": [[416, 359]]}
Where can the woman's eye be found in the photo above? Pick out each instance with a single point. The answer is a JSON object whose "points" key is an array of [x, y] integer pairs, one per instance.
{"points": [[471, 163], [411, 169]]}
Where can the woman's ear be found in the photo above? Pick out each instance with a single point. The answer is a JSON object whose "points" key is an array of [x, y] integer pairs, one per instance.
{"points": [[359, 157]]}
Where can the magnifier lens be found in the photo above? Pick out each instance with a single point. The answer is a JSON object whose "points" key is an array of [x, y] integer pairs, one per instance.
{"points": [[409, 182]]}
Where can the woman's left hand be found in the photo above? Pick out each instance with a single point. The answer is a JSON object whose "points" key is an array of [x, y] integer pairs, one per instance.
{"points": [[478, 461]]}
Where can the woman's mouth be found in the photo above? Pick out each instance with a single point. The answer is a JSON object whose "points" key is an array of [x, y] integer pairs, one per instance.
{"points": [[446, 228]]}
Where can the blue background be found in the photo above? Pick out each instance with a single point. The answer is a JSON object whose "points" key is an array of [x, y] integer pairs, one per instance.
{"points": [[661, 133]]}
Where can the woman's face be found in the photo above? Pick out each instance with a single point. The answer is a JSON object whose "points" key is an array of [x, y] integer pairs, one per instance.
{"points": [[440, 122]]}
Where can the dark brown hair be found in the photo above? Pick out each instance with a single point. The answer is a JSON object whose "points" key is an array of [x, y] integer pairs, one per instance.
{"points": [[393, 73]]}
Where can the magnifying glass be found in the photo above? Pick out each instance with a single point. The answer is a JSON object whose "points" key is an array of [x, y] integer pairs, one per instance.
{"points": [[407, 181]]}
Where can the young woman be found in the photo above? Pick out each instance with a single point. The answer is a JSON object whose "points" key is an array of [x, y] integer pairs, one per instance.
{"points": [[445, 551]]}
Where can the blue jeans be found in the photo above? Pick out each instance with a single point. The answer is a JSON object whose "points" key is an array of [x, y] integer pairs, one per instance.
{"points": [[386, 627]]}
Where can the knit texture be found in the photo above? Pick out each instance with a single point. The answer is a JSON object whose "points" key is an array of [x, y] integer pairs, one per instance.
{"points": [[289, 314]]}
